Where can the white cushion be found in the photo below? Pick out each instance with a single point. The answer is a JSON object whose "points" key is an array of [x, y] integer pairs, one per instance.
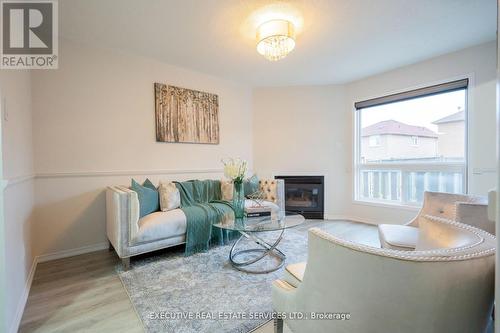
{"points": [[170, 197], [294, 273], [161, 225], [398, 237]]}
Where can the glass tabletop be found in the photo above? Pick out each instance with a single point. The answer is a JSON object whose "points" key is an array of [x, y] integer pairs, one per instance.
{"points": [[277, 221]]}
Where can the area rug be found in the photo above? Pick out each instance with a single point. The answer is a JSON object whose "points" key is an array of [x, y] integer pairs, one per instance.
{"points": [[203, 292]]}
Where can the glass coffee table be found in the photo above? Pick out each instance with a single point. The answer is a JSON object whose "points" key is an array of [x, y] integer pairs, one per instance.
{"points": [[250, 228]]}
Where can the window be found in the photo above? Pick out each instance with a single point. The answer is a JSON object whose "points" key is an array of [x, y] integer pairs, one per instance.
{"points": [[374, 141], [425, 141]]}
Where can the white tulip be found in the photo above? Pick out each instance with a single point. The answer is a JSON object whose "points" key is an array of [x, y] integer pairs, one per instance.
{"points": [[235, 169]]}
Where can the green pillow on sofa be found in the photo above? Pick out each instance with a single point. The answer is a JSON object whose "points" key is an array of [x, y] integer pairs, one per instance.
{"points": [[251, 185], [147, 183], [149, 200]]}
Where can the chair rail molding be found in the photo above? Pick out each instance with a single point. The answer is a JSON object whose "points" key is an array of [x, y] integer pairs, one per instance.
{"points": [[78, 174], [6, 183]]}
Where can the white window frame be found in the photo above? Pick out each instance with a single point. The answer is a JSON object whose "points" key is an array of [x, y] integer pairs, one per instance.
{"points": [[358, 166], [414, 141]]}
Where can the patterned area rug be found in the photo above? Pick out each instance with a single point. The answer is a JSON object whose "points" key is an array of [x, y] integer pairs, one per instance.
{"points": [[203, 292]]}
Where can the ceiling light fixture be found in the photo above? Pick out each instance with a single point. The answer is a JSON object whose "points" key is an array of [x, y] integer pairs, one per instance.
{"points": [[275, 39]]}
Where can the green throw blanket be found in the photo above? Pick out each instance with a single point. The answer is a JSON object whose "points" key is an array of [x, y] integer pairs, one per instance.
{"points": [[200, 201]]}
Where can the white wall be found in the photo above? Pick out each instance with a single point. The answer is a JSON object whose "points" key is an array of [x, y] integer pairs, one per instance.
{"points": [[304, 131], [310, 129], [95, 127], [17, 156]]}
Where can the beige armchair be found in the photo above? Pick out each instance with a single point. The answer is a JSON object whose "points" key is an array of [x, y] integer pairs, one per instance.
{"points": [[468, 209], [448, 288]]}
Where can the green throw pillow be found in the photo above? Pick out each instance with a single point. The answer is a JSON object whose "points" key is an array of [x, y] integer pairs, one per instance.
{"points": [[147, 183], [149, 200], [251, 185]]}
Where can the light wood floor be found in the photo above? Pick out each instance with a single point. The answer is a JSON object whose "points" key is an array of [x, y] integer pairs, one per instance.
{"points": [[84, 294], [79, 294]]}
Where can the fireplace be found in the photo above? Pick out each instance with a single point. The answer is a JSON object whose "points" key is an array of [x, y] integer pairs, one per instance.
{"points": [[304, 195]]}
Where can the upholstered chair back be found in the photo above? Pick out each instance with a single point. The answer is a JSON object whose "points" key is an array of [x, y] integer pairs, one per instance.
{"points": [[383, 290], [475, 214], [444, 205]]}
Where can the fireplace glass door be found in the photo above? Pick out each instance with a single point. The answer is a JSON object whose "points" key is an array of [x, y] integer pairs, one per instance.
{"points": [[302, 197]]}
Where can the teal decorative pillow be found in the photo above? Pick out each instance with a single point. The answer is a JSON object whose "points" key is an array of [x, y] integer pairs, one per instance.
{"points": [[147, 183], [251, 185], [149, 200]]}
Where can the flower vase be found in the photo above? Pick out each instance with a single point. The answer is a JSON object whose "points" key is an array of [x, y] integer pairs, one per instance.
{"points": [[238, 200]]}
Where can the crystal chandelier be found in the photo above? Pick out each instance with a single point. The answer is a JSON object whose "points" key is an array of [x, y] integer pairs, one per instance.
{"points": [[276, 38]]}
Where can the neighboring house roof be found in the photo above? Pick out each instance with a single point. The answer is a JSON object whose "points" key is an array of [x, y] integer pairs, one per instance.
{"points": [[459, 116], [397, 128]]}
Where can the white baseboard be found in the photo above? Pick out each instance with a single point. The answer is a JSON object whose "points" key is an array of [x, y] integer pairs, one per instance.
{"points": [[349, 218], [44, 258], [72, 252], [24, 298]]}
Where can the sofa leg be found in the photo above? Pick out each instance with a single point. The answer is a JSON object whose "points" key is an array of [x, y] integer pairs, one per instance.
{"points": [[278, 325], [126, 264]]}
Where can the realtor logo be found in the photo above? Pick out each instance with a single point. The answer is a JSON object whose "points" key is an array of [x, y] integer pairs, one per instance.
{"points": [[29, 34]]}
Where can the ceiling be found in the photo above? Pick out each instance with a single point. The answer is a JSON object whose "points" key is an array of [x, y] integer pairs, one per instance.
{"points": [[337, 41]]}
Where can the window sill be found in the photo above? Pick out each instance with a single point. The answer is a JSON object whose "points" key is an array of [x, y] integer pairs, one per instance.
{"points": [[385, 205]]}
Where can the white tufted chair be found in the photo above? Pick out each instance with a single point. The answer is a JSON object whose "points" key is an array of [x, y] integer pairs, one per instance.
{"points": [[468, 209], [446, 285]]}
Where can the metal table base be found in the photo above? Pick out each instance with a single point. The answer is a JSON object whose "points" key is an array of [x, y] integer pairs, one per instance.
{"points": [[264, 250]]}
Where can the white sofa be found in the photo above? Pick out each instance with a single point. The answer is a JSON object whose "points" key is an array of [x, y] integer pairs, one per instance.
{"points": [[130, 235], [446, 287]]}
